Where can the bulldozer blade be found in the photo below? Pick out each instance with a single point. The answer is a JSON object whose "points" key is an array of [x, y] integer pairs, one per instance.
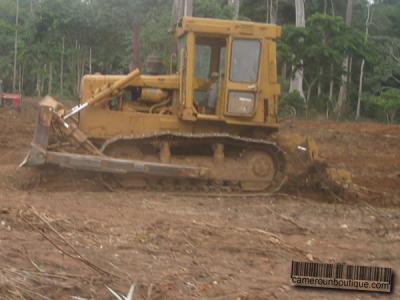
{"points": [[38, 156], [41, 134]]}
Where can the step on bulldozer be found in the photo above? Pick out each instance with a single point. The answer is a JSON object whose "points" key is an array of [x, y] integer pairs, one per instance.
{"points": [[212, 123]]}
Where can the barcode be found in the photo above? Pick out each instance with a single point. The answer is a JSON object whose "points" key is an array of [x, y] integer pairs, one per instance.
{"points": [[341, 271]]}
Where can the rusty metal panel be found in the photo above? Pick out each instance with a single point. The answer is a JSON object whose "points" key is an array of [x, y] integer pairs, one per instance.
{"points": [[121, 166], [42, 128]]}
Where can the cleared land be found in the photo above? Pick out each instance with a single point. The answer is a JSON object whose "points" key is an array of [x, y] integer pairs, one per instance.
{"points": [[68, 235]]}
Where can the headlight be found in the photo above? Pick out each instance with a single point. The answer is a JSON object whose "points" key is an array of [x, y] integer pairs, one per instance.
{"points": [[241, 103]]}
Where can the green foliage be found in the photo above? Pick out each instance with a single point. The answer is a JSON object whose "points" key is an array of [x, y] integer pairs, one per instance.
{"points": [[155, 38], [254, 10], [104, 28], [294, 100], [388, 103], [324, 42], [319, 50], [7, 21], [212, 9], [384, 69]]}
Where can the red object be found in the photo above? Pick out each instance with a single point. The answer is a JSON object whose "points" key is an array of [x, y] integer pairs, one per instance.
{"points": [[11, 99]]}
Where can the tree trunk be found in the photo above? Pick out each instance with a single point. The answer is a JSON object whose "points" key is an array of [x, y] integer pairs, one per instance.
{"points": [[319, 88], [342, 98], [360, 85], [78, 67], [62, 67], [392, 116], [272, 11], [41, 88], [308, 95], [90, 60], [136, 46], [360, 89], [22, 80], [350, 72], [176, 8], [50, 83], [296, 83], [82, 72], [15, 47], [188, 8], [19, 78], [331, 83], [349, 12], [38, 85], [236, 7], [181, 8], [332, 8], [284, 71]]}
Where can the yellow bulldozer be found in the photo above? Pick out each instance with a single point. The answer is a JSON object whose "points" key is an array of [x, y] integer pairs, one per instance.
{"points": [[210, 124]]}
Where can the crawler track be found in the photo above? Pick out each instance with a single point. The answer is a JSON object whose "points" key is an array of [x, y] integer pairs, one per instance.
{"points": [[248, 165]]}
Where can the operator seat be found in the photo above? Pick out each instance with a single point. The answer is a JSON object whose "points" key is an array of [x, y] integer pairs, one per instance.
{"points": [[212, 93]]}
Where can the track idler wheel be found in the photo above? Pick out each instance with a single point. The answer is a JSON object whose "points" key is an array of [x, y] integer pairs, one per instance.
{"points": [[260, 168]]}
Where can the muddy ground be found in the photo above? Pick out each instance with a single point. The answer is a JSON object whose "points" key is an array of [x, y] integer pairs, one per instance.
{"points": [[76, 236]]}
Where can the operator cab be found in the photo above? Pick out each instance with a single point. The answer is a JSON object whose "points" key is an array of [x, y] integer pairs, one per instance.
{"points": [[209, 72], [228, 70]]}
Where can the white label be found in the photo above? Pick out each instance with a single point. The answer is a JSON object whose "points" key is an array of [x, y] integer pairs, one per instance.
{"points": [[242, 99]]}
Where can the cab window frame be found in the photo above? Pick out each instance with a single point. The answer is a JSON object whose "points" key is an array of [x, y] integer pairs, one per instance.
{"points": [[202, 51], [231, 67]]}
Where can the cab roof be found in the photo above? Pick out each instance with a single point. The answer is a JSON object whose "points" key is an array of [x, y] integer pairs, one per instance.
{"points": [[227, 27]]}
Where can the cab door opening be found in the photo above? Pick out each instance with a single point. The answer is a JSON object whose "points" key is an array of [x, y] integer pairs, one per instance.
{"points": [[209, 74]]}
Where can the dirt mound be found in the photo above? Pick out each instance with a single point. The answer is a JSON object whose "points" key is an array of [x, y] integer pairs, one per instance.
{"points": [[177, 246], [318, 178], [14, 178], [51, 179]]}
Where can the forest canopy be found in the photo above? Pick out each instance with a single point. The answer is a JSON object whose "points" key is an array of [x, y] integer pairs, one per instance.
{"points": [[347, 52]]}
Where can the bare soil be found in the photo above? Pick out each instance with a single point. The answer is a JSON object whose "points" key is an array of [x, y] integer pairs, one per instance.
{"points": [[74, 237]]}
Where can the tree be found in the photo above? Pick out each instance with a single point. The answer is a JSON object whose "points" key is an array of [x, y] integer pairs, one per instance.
{"points": [[346, 65], [388, 102], [16, 47], [296, 83], [322, 44], [382, 67], [236, 5], [272, 11], [213, 9], [360, 84], [66, 39], [182, 8]]}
